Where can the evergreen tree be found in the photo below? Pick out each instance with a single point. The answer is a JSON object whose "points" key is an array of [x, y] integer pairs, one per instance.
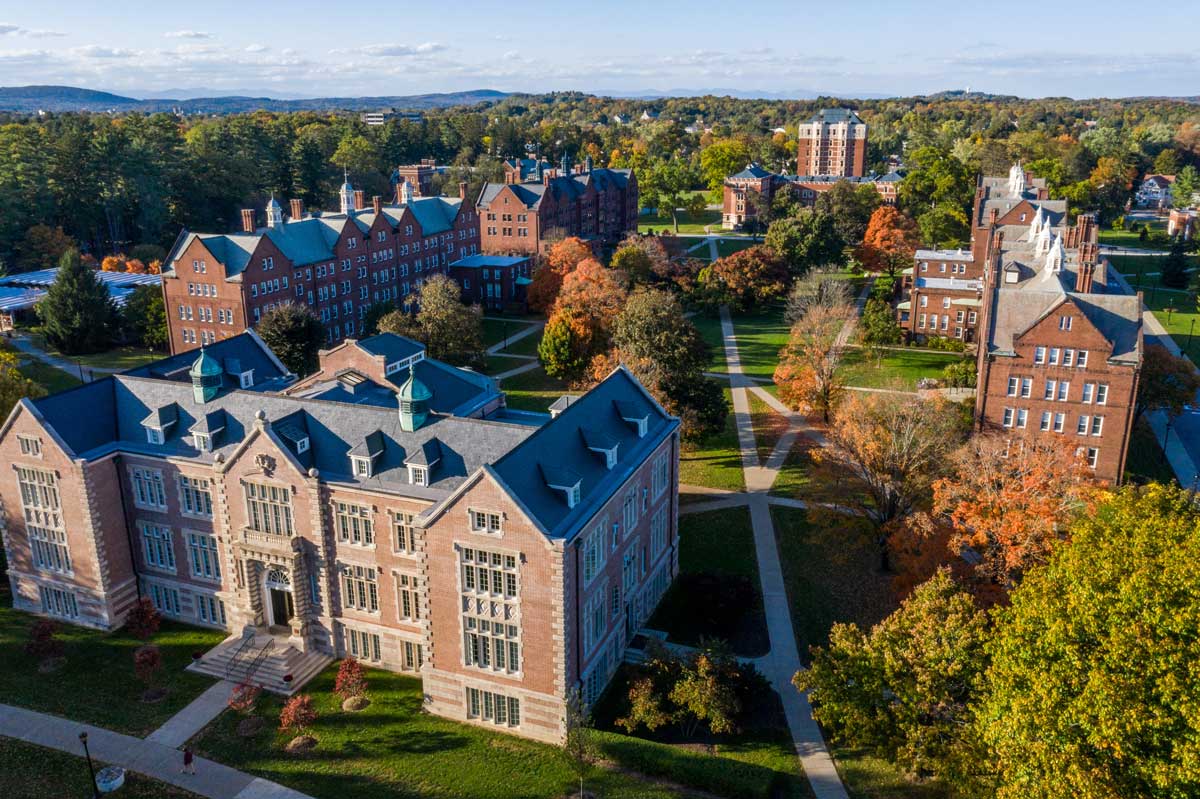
{"points": [[1174, 269], [77, 314], [144, 317]]}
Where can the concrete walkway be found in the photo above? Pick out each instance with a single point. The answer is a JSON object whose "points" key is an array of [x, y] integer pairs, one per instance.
{"points": [[195, 717], [530, 329], [525, 367], [783, 660], [22, 342], [151, 758]]}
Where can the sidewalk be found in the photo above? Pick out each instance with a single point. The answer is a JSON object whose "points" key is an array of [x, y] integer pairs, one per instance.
{"points": [[146, 757], [195, 717]]}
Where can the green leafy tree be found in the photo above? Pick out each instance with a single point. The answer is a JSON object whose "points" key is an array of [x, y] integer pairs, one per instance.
{"points": [[944, 226], [663, 187], [851, 207], [1167, 162], [1092, 688], [145, 318], [14, 385], [77, 314], [355, 153], [634, 261], [706, 693], [564, 350], [295, 334], [450, 330], [580, 748], [877, 327], [1186, 187], [721, 159], [806, 241]]}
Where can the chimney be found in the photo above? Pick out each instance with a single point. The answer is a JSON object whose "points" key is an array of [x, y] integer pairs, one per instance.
{"points": [[546, 175], [247, 220], [360, 199], [297, 209], [462, 190], [400, 191], [510, 176], [994, 216], [1084, 277], [377, 204]]}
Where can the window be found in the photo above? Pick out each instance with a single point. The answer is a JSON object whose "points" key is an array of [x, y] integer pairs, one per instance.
{"points": [[1059, 420], [1064, 323], [156, 544], [195, 496], [353, 523], [594, 553], [491, 637], [1081, 361], [1081, 427], [595, 619], [493, 707], [210, 610], [1022, 417], [363, 646], [360, 588], [148, 490], [1102, 394], [1064, 389], [1089, 390], [1026, 386], [1068, 357], [404, 537], [202, 554], [57, 602], [483, 521], [1097, 425], [418, 475], [43, 519], [629, 513], [30, 446], [1039, 355], [413, 657], [1054, 354], [164, 599], [1093, 455], [1050, 386], [407, 599], [1008, 417], [924, 303], [1013, 384], [491, 644], [658, 531], [269, 509]]}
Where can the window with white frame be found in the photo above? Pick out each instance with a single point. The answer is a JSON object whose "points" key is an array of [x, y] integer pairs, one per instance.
{"points": [[1022, 417], [210, 610], [1081, 427], [1039, 355], [595, 619], [408, 604], [418, 475], [165, 599], [1009, 414], [1081, 359], [157, 547], [404, 536], [496, 708], [484, 521], [57, 602], [490, 623], [1046, 417], [660, 475], [268, 508], [658, 531], [487, 572], [1093, 457], [353, 523], [31, 446], [1013, 385], [1097, 425], [1026, 387], [195, 496], [412, 656], [1102, 393], [42, 510], [202, 555], [629, 512], [491, 644], [149, 493], [1060, 420], [360, 588], [363, 646], [595, 550]]}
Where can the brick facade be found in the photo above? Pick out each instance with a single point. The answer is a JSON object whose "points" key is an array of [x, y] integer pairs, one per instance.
{"points": [[832, 142]]}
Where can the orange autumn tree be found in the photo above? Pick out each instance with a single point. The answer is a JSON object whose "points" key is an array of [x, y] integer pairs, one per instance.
{"points": [[807, 374], [890, 242], [135, 267], [580, 325], [113, 263], [548, 276]]}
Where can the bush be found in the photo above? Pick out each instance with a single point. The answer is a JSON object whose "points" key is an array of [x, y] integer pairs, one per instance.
{"points": [[143, 620], [244, 697], [945, 344], [42, 642], [351, 679], [298, 714], [147, 663]]}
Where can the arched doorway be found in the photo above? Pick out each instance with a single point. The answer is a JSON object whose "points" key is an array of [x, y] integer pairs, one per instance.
{"points": [[278, 588]]}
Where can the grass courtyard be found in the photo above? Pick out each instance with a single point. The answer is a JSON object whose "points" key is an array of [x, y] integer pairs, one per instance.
{"points": [[898, 369], [760, 336], [688, 223], [97, 683], [533, 390], [715, 462], [1182, 321], [28, 771]]}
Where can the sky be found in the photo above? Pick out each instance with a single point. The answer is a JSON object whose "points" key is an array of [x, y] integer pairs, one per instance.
{"points": [[301, 48]]}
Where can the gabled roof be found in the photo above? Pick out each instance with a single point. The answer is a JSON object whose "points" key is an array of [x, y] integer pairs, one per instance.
{"points": [[247, 349], [391, 346], [752, 172], [561, 187]]}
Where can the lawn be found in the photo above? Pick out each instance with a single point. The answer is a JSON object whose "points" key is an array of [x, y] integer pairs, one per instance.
{"points": [[716, 560], [1145, 462], [897, 369], [392, 748], [760, 336], [1180, 322], [533, 390], [97, 684], [831, 567], [730, 246], [709, 328], [495, 329], [769, 425], [525, 346], [687, 223], [495, 364], [869, 777], [715, 462], [1132, 239], [48, 377], [1143, 271], [117, 358], [28, 771]]}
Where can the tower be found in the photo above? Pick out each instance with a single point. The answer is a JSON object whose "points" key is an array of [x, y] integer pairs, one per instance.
{"points": [[347, 196], [206, 377], [1016, 180], [414, 399], [274, 213]]}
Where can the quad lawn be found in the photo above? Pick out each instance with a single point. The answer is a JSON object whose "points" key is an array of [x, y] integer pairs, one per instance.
{"points": [[730, 246], [48, 377], [97, 683], [1181, 322], [118, 358], [896, 368], [28, 771], [716, 561], [715, 462], [392, 748], [687, 223], [495, 364], [1145, 462], [769, 425], [494, 329], [525, 346], [533, 390], [869, 777], [709, 328], [1142, 272], [1132, 239], [760, 336]]}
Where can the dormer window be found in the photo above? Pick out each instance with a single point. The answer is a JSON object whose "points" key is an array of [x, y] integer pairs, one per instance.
{"points": [[202, 441], [573, 496], [563, 480], [362, 467], [418, 475], [154, 435], [637, 416], [246, 379], [302, 444]]}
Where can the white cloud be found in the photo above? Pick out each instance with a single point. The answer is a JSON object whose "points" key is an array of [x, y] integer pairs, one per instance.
{"points": [[17, 30], [99, 51], [6, 29], [257, 48], [395, 50], [187, 35]]}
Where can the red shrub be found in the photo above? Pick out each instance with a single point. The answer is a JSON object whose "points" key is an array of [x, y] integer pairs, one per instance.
{"points": [[42, 643], [298, 714], [147, 663], [244, 697], [351, 679], [143, 620]]}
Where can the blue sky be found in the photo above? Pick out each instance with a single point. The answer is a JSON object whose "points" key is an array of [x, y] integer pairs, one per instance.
{"points": [[303, 48]]}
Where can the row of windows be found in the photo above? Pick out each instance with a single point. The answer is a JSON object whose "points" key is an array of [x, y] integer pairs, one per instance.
{"points": [[1059, 356], [1058, 390], [494, 707], [1086, 424]]}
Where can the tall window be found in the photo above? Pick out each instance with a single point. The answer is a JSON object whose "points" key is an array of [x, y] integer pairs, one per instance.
{"points": [[630, 511], [403, 534], [594, 552], [210, 610], [30, 446], [407, 600], [156, 543], [595, 619], [491, 635], [269, 509], [658, 531], [164, 599], [148, 489], [661, 474], [493, 707], [195, 496], [57, 602], [364, 646], [354, 523], [42, 509], [360, 588], [202, 554]]}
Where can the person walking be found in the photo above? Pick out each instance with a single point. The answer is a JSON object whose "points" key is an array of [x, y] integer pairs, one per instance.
{"points": [[189, 766]]}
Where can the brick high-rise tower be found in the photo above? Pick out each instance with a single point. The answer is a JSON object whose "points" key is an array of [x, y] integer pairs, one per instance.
{"points": [[834, 143]]}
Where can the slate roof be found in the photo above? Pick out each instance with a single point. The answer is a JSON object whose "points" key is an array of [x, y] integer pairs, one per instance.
{"points": [[752, 172], [557, 450], [246, 349], [391, 346], [484, 260], [528, 166], [562, 187]]}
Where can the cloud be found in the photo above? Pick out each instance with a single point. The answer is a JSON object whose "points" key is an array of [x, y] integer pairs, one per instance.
{"points": [[99, 51], [17, 30], [257, 48], [395, 50], [187, 35], [7, 29]]}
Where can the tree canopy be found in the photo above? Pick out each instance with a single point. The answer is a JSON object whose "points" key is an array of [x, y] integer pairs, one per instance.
{"points": [[295, 334], [78, 314]]}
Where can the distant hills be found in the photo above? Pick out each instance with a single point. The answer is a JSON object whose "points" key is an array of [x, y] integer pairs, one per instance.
{"points": [[30, 99]]}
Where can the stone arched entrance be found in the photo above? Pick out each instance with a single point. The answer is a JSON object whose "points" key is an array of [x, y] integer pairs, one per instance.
{"points": [[278, 602]]}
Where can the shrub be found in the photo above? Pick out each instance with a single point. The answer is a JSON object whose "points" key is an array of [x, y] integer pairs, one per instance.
{"points": [[351, 679], [945, 343], [298, 714], [143, 620], [147, 663], [42, 642], [244, 697]]}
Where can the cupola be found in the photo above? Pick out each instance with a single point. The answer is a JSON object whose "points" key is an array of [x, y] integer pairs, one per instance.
{"points": [[413, 399], [346, 195], [206, 374], [274, 213]]}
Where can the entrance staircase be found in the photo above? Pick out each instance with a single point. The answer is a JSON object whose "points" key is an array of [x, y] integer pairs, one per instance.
{"points": [[258, 657]]}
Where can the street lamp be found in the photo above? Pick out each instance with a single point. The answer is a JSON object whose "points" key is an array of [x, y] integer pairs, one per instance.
{"points": [[91, 768]]}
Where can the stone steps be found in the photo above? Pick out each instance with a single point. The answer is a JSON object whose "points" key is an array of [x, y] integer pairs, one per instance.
{"points": [[279, 661]]}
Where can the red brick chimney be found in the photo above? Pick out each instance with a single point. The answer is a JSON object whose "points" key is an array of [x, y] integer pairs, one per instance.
{"points": [[462, 190], [377, 204], [994, 216], [399, 199], [1083, 279], [297, 209], [248, 220], [360, 199]]}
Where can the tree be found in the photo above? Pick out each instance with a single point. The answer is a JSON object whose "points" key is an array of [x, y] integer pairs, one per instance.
{"points": [[548, 276], [148, 664], [748, 277], [1091, 691], [143, 619], [851, 206], [663, 186], [647, 707], [77, 314], [633, 261], [295, 334], [566, 346], [706, 693], [807, 374], [722, 158], [450, 330], [1186, 187], [580, 749], [375, 312], [14, 385], [1167, 162], [805, 242], [355, 153], [877, 327], [906, 689], [244, 698], [1173, 272], [815, 289], [1167, 383], [43, 247], [351, 680], [890, 242], [298, 714], [144, 317], [944, 226], [937, 182]]}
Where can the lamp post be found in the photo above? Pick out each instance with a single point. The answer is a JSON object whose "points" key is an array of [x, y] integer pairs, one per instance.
{"points": [[1191, 330], [91, 769]]}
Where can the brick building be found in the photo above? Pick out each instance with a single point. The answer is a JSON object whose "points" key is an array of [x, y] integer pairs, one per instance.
{"points": [[506, 558], [216, 284], [745, 192], [525, 218], [833, 142], [945, 292], [493, 281]]}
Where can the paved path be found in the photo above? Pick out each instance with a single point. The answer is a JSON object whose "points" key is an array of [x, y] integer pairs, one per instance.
{"points": [[195, 717], [525, 367], [530, 329], [154, 759], [22, 342], [783, 660]]}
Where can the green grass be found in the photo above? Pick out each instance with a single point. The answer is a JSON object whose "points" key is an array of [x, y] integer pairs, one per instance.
{"points": [[718, 545], [97, 683], [709, 328], [117, 358], [1145, 462], [494, 330], [1144, 271], [687, 222], [392, 748], [28, 771], [831, 567], [715, 462], [1131, 239], [48, 377], [1179, 322], [760, 336], [897, 369], [525, 346], [533, 390], [869, 777], [769, 425], [730, 246]]}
